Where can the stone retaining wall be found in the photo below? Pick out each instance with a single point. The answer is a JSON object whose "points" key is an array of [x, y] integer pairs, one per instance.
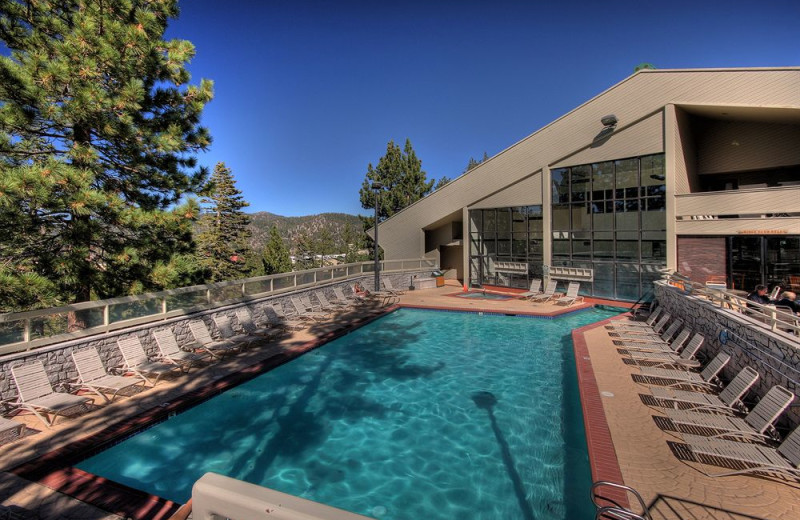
{"points": [[61, 370], [774, 355]]}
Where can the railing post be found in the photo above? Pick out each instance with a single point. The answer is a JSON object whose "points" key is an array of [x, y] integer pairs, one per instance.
{"points": [[106, 315], [164, 305], [26, 332]]}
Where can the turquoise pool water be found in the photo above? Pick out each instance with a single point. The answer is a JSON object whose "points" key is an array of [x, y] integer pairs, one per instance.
{"points": [[483, 296], [420, 414]]}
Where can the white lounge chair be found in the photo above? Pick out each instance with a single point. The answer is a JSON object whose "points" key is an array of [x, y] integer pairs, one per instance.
{"points": [[135, 361], [707, 378], [686, 358], [277, 316], [204, 341], [534, 289], [171, 352], [664, 338], [624, 325], [226, 332], [93, 376], [36, 394], [758, 424], [730, 398], [547, 295], [304, 312], [572, 296], [673, 346], [353, 300], [10, 430], [389, 287], [655, 330], [249, 327], [782, 461], [328, 305]]}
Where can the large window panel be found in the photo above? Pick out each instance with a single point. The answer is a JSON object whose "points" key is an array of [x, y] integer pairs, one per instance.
{"points": [[581, 216], [603, 285], [561, 217], [627, 281], [489, 222], [560, 182], [580, 183]]}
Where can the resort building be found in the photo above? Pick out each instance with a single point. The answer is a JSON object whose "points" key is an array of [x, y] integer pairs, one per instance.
{"points": [[697, 171]]}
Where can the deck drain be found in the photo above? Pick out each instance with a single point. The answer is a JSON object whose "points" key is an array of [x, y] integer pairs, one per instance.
{"points": [[607, 394]]}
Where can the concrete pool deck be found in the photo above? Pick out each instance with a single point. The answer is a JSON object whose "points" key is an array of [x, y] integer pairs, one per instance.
{"points": [[672, 489]]}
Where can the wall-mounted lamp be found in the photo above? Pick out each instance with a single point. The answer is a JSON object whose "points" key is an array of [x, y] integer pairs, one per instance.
{"points": [[609, 121]]}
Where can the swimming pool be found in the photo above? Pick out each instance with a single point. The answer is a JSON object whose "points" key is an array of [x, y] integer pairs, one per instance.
{"points": [[473, 295], [420, 414]]}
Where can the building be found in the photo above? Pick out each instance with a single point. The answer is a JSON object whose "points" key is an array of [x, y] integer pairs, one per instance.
{"points": [[694, 170]]}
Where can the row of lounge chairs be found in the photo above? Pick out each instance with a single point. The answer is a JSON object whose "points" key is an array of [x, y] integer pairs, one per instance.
{"points": [[536, 295], [35, 393], [697, 402]]}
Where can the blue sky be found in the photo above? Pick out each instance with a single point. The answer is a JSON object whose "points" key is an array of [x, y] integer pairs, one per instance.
{"points": [[308, 93]]}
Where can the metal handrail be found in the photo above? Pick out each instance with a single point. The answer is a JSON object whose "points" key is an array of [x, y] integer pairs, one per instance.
{"points": [[616, 508], [21, 331], [777, 320]]}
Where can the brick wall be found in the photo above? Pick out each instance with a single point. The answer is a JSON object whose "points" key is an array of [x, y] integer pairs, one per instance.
{"points": [[702, 258]]}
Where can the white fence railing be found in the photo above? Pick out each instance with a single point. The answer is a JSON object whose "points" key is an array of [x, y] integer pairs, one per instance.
{"points": [[775, 319], [20, 331]]}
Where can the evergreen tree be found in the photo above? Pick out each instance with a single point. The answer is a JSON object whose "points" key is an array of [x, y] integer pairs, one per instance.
{"points": [[223, 241], [324, 244], [441, 182], [400, 173], [304, 252], [473, 163], [276, 256], [97, 136], [352, 243]]}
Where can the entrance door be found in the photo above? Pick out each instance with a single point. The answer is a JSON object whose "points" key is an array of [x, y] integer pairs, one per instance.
{"points": [[767, 260]]}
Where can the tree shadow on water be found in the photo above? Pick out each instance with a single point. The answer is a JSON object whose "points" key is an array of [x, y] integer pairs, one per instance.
{"points": [[487, 401]]}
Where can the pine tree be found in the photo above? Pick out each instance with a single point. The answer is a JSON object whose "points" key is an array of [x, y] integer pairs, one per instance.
{"points": [[400, 173], [97, 135], [276, 256], [324, 244], [304, 252], [223, 241]]}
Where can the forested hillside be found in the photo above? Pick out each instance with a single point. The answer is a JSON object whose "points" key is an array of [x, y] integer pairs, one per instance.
{"points": [[316, 227]]}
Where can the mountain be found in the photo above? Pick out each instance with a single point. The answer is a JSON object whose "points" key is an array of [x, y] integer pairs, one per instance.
{"points": [[290, 227]]}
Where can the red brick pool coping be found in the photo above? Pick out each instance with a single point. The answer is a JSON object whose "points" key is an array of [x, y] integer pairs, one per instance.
{"points": [[55, 470]]}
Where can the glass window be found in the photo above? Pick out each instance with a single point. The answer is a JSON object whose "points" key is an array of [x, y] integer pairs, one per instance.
{"points": [[581, 216], [561, 217], [654, 246], [580, 184], [503, 222], [560, 180], [628, 281], [602, 180], [519, 220], [603, 285], [627, 182], [489, 222]]}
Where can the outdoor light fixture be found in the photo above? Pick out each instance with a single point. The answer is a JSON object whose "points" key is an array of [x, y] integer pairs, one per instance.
{"points": [[609, 121], [377, 187]]}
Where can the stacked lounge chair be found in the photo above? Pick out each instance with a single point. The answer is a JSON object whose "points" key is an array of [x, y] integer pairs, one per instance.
{"points": [[226, 332], [249, 327], [686, 358], [620, 325], [707, 378]]}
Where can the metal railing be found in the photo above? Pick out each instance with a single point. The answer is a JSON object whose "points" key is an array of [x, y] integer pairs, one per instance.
{"points": [[768, 316], [20, 331]]}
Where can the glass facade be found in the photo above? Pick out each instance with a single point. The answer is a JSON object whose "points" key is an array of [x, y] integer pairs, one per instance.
{"points": [[506, 245], [610, 217], [768, 260]]}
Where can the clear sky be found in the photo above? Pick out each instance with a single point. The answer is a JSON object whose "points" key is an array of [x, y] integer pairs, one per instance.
{"points": [[308, 93]]}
